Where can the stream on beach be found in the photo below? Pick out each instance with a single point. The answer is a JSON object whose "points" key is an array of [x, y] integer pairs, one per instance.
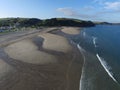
{"points": [[100, 47]]}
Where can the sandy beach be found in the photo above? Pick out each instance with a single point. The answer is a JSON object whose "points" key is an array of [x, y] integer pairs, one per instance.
{"points": [[55, 42], [71, 30], [43, 61]]}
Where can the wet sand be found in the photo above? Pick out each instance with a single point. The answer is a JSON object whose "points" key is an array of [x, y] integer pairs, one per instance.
{"points": [[4, 68], [43, 61], [27, 51]]}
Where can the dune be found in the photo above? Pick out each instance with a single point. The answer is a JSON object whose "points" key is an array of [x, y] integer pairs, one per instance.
{"points": [[71, 30], [55, 42], [27, 51]]}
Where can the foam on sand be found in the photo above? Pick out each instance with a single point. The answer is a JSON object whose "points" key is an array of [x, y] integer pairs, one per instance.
{"points": [[55, 42], [82, 75], [27, 51], [71, 30]]}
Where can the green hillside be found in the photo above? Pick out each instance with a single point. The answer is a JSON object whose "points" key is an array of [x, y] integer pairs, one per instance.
{"points": [[34, 22]]}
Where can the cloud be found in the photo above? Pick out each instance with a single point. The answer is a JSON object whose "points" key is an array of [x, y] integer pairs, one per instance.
{"points": [[108, 5], [88, 8], [100, 13], [99, 1], [74, 13], [112, 5], [67, 11], [88, 13]]}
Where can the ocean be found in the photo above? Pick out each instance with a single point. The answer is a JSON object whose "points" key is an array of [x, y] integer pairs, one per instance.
{"points": [[100, 46]]}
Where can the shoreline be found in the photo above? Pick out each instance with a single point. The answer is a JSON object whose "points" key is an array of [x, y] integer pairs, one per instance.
{"points": [[63, 72], [81, 51]]}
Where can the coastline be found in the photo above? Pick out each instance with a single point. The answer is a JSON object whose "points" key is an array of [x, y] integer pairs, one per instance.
{"points": [[62, 71]]}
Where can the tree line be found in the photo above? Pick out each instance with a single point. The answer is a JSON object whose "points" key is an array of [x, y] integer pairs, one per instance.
{"points": [[34, 22]]}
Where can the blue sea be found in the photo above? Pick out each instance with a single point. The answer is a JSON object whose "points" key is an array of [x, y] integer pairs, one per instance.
{"points": [[100, 47]]}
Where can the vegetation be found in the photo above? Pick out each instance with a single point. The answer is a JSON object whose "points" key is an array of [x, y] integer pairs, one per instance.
{"points": [[8, 23], [19, 22], [66, 22]]}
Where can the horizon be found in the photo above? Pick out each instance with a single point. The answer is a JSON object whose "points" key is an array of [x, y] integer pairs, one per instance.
{"points": [[93, 10]]}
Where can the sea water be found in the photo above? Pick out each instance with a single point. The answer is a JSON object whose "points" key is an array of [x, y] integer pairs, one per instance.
{"points": [[102, 57]]}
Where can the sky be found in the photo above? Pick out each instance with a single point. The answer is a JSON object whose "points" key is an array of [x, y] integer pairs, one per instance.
{"points": [[95, 10]]}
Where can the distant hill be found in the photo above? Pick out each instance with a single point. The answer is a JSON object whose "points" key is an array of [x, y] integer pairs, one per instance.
{"points": [[102, 23], [34, 22], [105, 23]]}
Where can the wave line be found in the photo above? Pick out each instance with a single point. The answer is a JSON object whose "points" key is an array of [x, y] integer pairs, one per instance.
{"points": [[103, 63]]}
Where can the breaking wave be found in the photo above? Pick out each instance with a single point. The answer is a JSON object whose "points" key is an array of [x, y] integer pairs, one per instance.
{"points": [[94, 41], [106, 67], [84, 34], [102, 61]]}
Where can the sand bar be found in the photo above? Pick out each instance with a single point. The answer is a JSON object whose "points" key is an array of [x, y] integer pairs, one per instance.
{"points": [[55, 42], [27, 51], [63, 74], [71, 30]]}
